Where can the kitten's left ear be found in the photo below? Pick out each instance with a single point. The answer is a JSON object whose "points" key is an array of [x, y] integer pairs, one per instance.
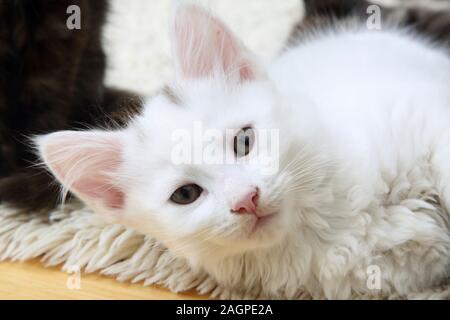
{"points": [[87, 163], [204, 47]]}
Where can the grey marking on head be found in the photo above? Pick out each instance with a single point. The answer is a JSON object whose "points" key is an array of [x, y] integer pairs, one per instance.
{"points": [[171, 95]]}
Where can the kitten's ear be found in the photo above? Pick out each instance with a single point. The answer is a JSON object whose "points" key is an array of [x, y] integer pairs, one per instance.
{"points": [[85, 163], [203, 47]]}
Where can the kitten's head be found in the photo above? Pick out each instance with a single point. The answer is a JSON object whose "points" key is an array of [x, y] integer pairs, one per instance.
{"points": [[206, 168]]}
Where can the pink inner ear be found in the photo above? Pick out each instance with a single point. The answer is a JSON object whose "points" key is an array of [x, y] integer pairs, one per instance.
{"points": [[246, 73], [112, 197], [203, 44], [86, 163]]}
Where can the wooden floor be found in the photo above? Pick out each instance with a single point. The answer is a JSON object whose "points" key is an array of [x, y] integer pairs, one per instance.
{"points": [[31, 280]]}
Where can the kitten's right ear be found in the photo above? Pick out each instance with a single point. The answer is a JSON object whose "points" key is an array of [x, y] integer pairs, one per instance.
{"points": [[87, 164], [204, 47]]}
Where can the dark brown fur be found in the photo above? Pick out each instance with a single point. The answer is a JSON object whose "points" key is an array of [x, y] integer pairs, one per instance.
{"points": [[433, 24], [51, 78]]}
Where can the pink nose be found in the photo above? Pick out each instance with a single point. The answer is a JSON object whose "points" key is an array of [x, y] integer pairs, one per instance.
{"points": [[246, 204]]}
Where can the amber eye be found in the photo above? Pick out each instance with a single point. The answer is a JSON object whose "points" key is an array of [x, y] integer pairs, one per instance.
{"points": [[244, 141], [186, 194]]}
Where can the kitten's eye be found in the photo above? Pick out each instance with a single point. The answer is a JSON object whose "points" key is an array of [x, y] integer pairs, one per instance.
{"points": [[244, 141], [186, 194]]}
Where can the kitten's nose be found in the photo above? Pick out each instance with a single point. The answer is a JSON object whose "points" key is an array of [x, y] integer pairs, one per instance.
{"points": [[246, 204]]}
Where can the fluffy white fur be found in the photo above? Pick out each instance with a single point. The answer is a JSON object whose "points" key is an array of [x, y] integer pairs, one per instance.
{"points": [[364, 167]]}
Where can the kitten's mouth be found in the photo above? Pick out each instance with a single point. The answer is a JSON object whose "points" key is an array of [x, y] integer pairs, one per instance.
{"points": [[262, 221]]}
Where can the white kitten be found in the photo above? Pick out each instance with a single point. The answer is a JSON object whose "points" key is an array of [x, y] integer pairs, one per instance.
{"points": [[357, 123]]}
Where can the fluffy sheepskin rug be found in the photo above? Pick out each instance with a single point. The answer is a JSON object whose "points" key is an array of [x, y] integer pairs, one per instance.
{"points": [[137, 44]]}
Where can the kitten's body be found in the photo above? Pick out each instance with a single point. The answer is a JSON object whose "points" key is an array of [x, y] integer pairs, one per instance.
{"points": [[389, 186], [363, 186]]}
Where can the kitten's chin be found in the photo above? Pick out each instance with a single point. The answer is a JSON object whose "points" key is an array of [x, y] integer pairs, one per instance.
{"points": [[255, 234]]}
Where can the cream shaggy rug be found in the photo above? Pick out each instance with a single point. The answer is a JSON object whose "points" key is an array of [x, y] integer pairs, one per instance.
{"points": [[137, 44]]}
